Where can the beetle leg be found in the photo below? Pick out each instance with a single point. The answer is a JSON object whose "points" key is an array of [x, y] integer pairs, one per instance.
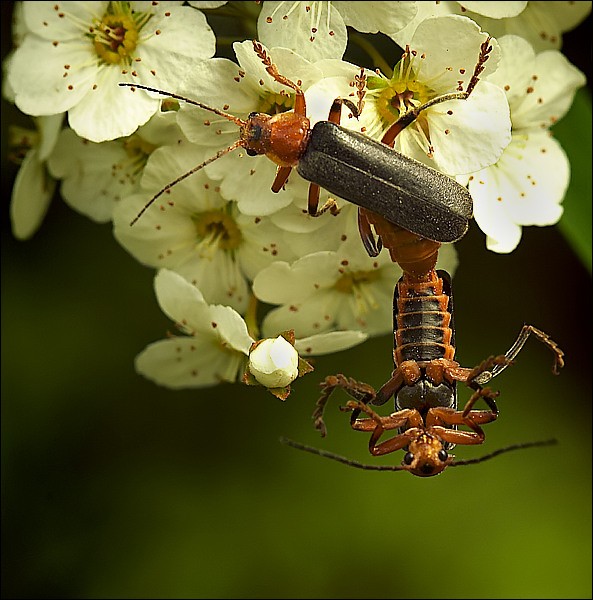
{"points": [[408, 418], [512, 352], [335, 112], [439, 416], [356, 389], [281, 177], [300, 107], [412, 115], [313, 203], [371, 244], [489, 396], [408, 373]]}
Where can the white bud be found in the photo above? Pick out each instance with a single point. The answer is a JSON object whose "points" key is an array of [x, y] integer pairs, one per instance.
{"points": [[274, 363]]}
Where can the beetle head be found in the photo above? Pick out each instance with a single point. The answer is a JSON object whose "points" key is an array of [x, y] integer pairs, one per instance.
{"points": [[426, 456]]}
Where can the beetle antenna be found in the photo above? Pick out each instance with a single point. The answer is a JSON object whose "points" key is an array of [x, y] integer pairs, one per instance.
{"points": [[220, 113], [337, 457], [473, 461], [220, 153], [457, 463]]}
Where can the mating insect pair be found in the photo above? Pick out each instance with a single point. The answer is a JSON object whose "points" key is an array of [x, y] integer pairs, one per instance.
{"points": [[412, 209]]}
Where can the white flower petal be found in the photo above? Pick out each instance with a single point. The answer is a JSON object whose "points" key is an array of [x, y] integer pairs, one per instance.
{"points": [[515, 68], [313, 30], [541, 23], [219, 275], [183, 32], [248, 180], [40, 86], [49, 130], [262, 243], [372, 17], [90, 182], [327, 343], [525, 187], [205, 4], [495, 10], [180, 301], [231, 328], [554, 82], [462, 39], [280, 282], [314, 315], [475, 135], [31, 194], [109, 111], [43, 19], [186, 362]]}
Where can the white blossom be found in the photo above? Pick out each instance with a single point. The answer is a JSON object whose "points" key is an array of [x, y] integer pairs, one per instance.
{"points": [[97, 176], [34, 187], [540, 23], [456, 136], [527, 184], [195, 231], [213, 349], [317, 30], [76, 53], [215, 344]]}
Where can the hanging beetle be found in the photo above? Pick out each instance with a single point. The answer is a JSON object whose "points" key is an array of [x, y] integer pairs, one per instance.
{"points": [[423, 384], [351, 165]]}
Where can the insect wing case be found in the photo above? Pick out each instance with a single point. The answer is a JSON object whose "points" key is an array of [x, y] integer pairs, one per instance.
{"points": [[373, 175]]}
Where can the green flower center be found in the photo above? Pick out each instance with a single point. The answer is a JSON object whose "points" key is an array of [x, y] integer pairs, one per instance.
{"points": [[357, 285], [115, 36], [402, 93], [216, 228], [272, 104], [350, 281], [138, 150]]}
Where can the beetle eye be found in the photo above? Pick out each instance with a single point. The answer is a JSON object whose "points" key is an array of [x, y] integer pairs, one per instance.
{"points": [[443, 455], [250, 152], [408, 458]]}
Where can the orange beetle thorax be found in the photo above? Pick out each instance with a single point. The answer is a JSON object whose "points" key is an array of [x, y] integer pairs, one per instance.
{"points": [[282, 137]]}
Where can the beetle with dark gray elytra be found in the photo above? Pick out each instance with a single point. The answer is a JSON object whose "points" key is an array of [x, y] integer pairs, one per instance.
{"points": [[348, 164]]}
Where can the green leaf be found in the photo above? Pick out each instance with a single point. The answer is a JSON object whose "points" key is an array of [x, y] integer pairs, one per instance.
{"points": [[574, 133]]}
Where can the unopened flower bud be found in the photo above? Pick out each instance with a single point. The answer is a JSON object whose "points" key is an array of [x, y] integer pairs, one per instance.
{"points": [[274, 363]]}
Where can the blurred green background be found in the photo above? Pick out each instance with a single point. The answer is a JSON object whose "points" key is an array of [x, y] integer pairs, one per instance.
{"points": [[115, 488]]}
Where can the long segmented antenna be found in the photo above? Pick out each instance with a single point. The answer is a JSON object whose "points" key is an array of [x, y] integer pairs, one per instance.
{"points": [[473, 461], [457, 463], [337, 457], [239, 143], [220, 113], [220, 153]]}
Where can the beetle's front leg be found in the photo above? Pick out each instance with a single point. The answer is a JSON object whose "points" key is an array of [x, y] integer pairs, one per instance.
{"points": [[358, 390], [438, 417], [407, 418]]}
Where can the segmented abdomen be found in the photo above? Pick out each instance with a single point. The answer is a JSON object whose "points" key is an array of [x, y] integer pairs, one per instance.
{"points": [[423, 326]]}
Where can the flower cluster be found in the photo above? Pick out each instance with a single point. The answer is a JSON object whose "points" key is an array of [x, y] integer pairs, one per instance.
{"points": [[252, 281]]}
